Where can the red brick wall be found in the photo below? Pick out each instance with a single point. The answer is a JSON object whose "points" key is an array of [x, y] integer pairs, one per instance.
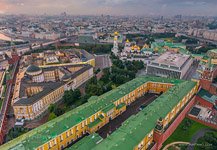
{"points": [[203, 122], [204, 102], [160, 139]]}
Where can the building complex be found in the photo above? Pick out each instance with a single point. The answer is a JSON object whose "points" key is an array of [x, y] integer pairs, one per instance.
{"points": [[140, 131], [36, 88]]}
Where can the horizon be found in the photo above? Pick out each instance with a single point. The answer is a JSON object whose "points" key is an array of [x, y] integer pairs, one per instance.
{"points": [[110, 7]]}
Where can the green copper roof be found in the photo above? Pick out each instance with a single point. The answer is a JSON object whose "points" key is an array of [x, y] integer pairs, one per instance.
{"points": [[52, 129], [121, 105], [87, 142], [138, 126]]}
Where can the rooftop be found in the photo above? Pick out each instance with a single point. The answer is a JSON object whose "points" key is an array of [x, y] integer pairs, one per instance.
{"points": [[207, 96], [134, 128], [172, 59], [138, 126]]}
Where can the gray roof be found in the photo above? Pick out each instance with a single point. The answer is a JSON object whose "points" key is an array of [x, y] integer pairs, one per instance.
{"points": [[33, 68], [48, 87]]}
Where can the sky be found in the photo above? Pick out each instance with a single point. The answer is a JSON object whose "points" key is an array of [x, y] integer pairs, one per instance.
{"points": [[111, 7]]}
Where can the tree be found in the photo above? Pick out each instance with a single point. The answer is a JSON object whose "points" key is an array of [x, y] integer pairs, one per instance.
{"points": [[51, 116], [70, 97], [51, 108]]}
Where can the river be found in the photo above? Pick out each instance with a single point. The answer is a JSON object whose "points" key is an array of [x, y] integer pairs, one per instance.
{"points": [[7, 38]]}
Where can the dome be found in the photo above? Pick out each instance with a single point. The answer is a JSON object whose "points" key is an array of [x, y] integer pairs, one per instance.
{"points": [[116, 33], [33, 70], [127, 41]]}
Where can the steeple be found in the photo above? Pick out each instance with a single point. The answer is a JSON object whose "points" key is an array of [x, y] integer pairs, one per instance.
{"points": [[115, 44]]}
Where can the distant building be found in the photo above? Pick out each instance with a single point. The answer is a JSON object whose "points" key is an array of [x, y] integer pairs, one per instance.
{"points": [[170, 65]]}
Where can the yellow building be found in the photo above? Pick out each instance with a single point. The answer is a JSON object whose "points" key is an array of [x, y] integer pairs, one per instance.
{"points": [[135, 133], [41, 87]]}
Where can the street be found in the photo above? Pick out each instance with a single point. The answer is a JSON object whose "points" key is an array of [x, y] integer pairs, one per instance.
{"points": [[131, 110]]}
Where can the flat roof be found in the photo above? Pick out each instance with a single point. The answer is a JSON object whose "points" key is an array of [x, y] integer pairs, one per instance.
{"points": [[87, 142], [140, 124], [172, 59]]}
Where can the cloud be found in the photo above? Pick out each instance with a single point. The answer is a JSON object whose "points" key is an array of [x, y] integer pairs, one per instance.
{"points": [[114, 7]]}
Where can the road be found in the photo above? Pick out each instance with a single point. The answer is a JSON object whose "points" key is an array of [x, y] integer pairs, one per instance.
{"points": [[191, 71], [24, 48], [200, 39], [131, 110], [195, 137]]}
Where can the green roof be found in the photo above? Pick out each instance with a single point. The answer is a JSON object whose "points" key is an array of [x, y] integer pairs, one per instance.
{"points": [[121, 105], [213, 50], [55, 127], [94, 123], [138, 126], [108, 108], [86, 143], [207, 96]]}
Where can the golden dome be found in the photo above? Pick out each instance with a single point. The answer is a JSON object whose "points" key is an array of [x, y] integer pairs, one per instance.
{"points": [[127, 41], [145, 46], [135, 46], [132, 48], [116, 33]]}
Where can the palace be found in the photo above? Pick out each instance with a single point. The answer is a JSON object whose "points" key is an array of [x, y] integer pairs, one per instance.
{"points": [[52, 58], [40, 87], [137, 132]]}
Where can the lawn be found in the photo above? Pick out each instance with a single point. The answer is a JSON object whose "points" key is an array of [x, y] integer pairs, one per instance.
{"points": [[184, 131]]}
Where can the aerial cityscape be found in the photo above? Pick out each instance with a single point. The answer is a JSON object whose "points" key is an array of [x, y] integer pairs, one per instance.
{"points": [[108, 75]]}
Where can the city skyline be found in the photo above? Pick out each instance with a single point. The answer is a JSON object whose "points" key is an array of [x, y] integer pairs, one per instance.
{"points": [[110, 7]]}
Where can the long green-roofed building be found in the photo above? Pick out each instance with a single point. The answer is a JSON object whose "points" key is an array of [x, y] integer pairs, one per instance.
{"points": [[137, 131]]}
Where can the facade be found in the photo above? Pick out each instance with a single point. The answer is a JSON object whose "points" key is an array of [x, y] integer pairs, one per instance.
{"points": [[58, 58], [98, 111], [41, 87], [170, 64]]}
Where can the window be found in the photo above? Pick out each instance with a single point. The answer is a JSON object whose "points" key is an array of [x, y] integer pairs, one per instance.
{"points": [[61, 138], [55, 141], [50, 144], [67, 134], [41, 148], [150, 135]]}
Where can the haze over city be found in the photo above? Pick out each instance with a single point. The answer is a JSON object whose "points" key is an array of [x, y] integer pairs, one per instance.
{"points": [[111, 7], [108, 74]]}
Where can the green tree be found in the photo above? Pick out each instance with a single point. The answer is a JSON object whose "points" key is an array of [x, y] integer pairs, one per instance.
{"points": [[51, 116]]}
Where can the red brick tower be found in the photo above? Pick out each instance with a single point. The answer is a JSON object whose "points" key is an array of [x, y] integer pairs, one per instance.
{"points": [[207, 77]]}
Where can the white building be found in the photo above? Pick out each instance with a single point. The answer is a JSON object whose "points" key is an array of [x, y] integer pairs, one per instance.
{"points": [[170, 65]]}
